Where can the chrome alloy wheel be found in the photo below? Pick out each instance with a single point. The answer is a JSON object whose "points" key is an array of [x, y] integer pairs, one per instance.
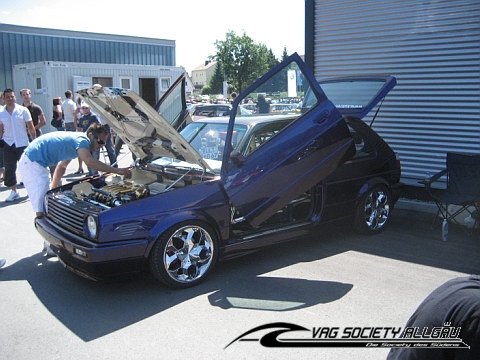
{"points": [[188, 254], [377, 209]]}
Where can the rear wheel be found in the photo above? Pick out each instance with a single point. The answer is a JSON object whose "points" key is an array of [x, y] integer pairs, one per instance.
{"points": [[373, 210], [184, 255]]}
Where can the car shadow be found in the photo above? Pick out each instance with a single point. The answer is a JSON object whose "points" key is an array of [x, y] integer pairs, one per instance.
{"points": [[92, 310], [415, 237]]}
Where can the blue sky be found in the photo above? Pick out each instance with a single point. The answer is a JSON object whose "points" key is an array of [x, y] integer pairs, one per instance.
{"points": [[193, 24]]}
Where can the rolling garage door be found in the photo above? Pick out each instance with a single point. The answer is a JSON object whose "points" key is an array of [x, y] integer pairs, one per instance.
{"points": [[432, 47]]}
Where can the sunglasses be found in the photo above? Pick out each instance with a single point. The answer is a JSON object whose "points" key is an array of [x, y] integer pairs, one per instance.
{"points": [[99, 142]]}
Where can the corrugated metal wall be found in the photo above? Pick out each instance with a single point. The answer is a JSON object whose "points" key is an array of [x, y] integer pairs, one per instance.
{"points": [[21, 45], [432, 47]]}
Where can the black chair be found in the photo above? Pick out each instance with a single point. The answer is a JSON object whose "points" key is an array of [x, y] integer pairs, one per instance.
{"points": [[463, 188]]}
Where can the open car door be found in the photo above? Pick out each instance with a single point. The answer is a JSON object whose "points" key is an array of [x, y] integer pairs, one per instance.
{"points": [[357, 95], [172, 106], [291, 161]]}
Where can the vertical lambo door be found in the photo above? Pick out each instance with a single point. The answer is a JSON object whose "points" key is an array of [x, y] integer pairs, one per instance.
{"points": [[291, 160]]}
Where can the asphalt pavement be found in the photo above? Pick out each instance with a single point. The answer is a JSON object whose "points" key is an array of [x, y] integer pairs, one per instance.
{"points": [[334, 279]]}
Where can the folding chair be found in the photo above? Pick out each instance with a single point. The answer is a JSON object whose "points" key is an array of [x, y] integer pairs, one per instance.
{"points": [[463, 188]]}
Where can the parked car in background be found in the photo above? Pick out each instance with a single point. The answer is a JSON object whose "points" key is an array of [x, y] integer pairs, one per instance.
{"points": [[224, 186], [211, 110], [283, 108]]}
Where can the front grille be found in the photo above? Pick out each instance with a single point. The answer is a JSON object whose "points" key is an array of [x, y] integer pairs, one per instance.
{"points": [[69, 213]]}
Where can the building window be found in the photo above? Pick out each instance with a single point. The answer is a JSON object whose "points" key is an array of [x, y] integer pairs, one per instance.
{"points": [[126, 82], [104, 81], [165, 83], [38, 83]]}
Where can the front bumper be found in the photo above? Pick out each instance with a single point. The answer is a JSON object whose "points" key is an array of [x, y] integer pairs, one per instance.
{"points": [[92, 260]]}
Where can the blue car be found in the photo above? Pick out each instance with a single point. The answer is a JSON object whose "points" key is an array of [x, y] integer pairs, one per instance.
{"points": [[223, 187]]}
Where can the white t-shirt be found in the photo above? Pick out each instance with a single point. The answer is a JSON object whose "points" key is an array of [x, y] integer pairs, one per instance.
{"points": [[15, 130], [69, 109]]}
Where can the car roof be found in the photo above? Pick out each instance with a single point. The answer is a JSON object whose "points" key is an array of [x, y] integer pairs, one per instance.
{"points": [[246, 120], [202, 106]]}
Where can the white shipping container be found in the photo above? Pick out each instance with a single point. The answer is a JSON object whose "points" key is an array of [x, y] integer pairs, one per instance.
{"points": [[50, 79]]}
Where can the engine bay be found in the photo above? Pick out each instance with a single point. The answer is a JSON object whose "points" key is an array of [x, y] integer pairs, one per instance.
{"points": [[111, 190]]}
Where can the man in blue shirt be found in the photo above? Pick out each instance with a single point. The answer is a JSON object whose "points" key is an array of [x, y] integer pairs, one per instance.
{"points": [[59, 148]]}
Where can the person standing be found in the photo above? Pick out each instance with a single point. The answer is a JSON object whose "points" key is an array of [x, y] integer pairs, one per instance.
{"points": [[88, 118], [263, 106], [38, 117], [112, 155], [78, 115], [59, 148], [111, 151], [2, 168], [15, 119], [69, 109], [57, 114]]}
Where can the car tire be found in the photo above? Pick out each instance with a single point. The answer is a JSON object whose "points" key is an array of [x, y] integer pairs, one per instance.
{"points": [[373, 210], [184, 255]]}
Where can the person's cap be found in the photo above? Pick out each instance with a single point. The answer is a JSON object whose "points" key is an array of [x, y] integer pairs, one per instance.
{"points": [[85, 105]]}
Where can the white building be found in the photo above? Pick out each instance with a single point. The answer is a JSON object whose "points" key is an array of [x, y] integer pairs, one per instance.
{"points": [[49, 79]]}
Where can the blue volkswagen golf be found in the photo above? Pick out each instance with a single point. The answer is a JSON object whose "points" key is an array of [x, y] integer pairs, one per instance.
{"points": [[225, 186]]}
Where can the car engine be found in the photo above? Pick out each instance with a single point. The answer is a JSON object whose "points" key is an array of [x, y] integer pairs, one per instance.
{"points": [[118, 194], [113, 190]]}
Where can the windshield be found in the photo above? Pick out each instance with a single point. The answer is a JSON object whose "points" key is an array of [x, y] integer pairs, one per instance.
{"points": [[208, 139]]}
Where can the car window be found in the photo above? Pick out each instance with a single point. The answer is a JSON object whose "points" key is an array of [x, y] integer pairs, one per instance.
{"points": [[276, 100], [208, 139], [361, 146], [212, 111], [350, 94], [282, 93], [262, 133], [172, 105]]}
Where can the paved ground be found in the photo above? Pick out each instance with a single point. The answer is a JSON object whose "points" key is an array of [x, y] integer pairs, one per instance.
{"points": [[336, 278]]}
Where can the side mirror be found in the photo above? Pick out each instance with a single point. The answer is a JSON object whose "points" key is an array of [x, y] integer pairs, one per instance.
{"points": [[237, 158]]}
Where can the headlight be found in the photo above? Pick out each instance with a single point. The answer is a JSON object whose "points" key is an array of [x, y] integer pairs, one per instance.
{"points": [[92, 227]]}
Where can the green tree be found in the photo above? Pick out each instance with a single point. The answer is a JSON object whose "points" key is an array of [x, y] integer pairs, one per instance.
{"points": [[216, 83], [243, 61], [205, 90]]}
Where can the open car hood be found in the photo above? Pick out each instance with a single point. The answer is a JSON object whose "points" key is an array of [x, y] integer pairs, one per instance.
{"points": [[144, 130], [357, 95]]}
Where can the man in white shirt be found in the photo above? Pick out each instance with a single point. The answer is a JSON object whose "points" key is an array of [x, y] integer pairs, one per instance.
{"points": [[69, 109], [15, 119]]}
